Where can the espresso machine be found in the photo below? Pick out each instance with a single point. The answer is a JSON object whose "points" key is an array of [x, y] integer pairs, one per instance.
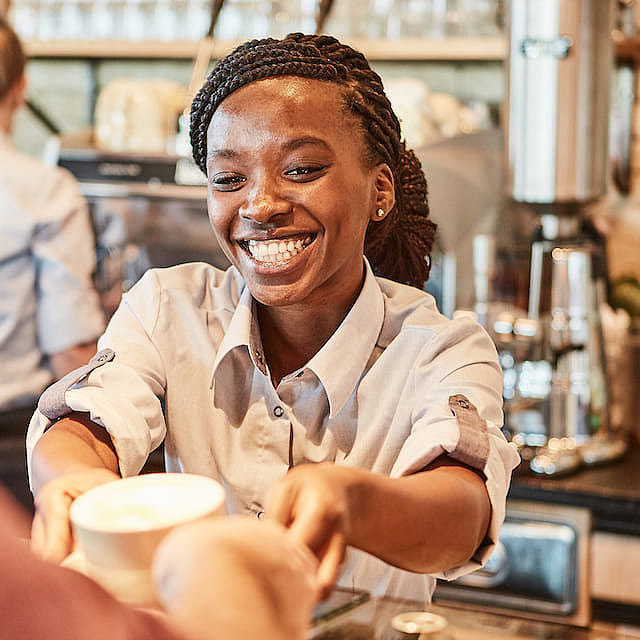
{"points": [[559, 68]]}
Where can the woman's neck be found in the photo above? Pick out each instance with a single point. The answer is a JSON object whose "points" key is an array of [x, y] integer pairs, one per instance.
{"points": [[292, 335]]}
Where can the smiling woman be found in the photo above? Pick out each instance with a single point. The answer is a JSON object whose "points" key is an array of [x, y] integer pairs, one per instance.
{"points": [[399, 247], [294, 175], [310, 379]]}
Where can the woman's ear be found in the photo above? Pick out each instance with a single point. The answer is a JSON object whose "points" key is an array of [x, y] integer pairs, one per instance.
{"points": [[385, 192]]}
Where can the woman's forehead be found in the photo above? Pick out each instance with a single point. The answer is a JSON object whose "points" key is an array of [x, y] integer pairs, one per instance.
{"points": [[281, 103], [293, 90]]}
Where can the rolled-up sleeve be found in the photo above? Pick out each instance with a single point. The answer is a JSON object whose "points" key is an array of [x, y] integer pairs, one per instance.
{"points": [[124, 393], [458, 412], [69, 311]]}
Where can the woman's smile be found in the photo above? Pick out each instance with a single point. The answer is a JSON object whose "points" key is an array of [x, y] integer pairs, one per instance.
{"points": [[279, 251]]}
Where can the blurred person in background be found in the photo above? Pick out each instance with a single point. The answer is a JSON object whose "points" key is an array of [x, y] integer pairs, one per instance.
{"points": [[50, 315]]}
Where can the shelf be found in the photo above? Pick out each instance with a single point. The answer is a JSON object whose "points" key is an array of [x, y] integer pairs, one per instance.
{"points": [[445, 49]]}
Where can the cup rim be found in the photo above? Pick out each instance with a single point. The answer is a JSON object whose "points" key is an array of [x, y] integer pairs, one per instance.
{"points": [[212, 491]]}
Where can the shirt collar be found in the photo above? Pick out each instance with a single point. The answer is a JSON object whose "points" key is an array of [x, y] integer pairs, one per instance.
{"points": [[342, 359], [242, 332]]}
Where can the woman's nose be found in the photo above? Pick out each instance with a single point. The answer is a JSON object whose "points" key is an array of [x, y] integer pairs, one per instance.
{"points": [[263, 204]]}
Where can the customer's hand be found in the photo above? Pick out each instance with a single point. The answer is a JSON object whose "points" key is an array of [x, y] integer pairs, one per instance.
{"points": [[311, 501], [51, 536], [236, 577]]}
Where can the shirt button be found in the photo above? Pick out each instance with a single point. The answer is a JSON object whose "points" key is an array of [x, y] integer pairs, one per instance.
{"points": [[278, 412]]}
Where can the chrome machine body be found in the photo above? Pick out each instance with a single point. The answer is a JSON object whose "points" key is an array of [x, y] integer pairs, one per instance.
{"points": [[558, 75]]}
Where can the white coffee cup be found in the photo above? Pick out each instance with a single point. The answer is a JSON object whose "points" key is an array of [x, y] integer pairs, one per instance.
{"points": [[119, 525]]}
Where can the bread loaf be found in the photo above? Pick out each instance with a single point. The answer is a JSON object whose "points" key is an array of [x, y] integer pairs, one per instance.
{"points": [[138, 116]]}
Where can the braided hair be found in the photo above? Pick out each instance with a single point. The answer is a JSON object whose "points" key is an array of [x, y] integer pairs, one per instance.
{"points": [[399, 246]]}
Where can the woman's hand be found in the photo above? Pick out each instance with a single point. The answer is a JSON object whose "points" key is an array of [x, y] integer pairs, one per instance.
{"points": [[72, 456], [312, 502], [238, 576], [412, 522], [51, 536]]}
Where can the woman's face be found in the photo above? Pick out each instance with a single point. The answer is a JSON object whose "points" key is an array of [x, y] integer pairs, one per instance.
{"points": [[289, 194]]}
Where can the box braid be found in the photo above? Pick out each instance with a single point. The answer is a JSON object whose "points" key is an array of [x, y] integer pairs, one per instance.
{"points": [[398, 246]]}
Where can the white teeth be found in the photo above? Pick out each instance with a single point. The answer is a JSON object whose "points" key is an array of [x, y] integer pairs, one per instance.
{"points": [[276, 250]]}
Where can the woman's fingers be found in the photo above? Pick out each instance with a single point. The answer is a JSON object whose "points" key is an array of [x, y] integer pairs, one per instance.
{"points": [[310, 501], [51, 536], [280, 503], [51, 529], [330, 562]]}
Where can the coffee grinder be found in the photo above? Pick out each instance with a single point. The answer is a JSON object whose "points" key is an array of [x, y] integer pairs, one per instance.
{"points": [[557, 110]]}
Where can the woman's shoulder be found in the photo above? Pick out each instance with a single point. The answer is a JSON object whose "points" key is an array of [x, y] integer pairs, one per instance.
{"points": [[407, 306], [409, 309], [199, 283]]}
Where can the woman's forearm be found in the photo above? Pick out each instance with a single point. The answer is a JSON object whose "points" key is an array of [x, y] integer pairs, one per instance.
{"points": [[72, 444], [427, 522]]}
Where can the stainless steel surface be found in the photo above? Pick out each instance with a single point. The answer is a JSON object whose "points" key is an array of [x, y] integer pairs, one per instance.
{"points": [[372, 621], [539, 568], [555, 389], [567, 291], [147, 211], [558, 73]]}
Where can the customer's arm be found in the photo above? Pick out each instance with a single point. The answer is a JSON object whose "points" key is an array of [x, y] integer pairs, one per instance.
{"points": [[72, 456], [42, 600], [236, 578], [219, 579]]}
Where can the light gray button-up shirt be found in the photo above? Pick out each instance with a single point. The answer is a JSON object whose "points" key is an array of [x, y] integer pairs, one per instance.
{"points": [[397, 385], [47, 302]]}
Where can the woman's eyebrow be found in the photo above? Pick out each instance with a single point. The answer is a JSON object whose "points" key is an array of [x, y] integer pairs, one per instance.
{"points": [[296, 143], [289, 145], [221, 153]]}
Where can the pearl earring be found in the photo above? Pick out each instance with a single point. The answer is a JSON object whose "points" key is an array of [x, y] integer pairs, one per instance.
{"points": [[380, 213]]}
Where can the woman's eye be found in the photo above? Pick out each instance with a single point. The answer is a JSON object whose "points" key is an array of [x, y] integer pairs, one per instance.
{"points": [[307, 172], [227, 181]]}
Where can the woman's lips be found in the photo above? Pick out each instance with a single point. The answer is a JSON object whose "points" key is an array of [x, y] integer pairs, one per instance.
{"points": [[278, 250]]}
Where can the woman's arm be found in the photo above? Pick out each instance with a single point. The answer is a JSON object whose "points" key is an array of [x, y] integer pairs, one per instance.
{"points": [[72, 456], [425, 522]]}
